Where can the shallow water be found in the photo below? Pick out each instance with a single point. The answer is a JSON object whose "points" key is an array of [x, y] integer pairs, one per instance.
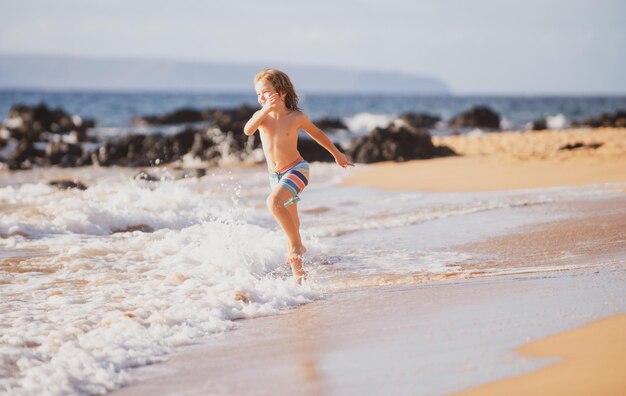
{"points": [[84, 297]]}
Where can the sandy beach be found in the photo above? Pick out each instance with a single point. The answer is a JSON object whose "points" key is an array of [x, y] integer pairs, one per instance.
{"points": [[430, 339], [508, 160], [554, 325], [589, 353]]}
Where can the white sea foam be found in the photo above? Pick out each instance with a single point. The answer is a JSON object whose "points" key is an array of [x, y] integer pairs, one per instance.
{"points": [[89, 304], [5, 134], [476, 132], [82, 303], [558, 121], [506, 124], [364, 123], [13, 123]]}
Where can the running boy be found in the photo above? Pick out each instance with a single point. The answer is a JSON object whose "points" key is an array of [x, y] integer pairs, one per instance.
{"points": [[279, 122]]}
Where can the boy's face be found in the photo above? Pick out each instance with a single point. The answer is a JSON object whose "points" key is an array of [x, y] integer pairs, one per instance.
{"points": [[263, 90]]}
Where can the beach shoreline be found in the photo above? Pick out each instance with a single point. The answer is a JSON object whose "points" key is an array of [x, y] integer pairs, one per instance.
{"points": [[406, 337], [363, 342]]}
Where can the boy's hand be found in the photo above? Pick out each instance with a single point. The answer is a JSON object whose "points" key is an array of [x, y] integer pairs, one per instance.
{"points": [[342, 160], [271, 101]]}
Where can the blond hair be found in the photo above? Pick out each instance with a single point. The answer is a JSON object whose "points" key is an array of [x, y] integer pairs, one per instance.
{"points": [[282, 84]]}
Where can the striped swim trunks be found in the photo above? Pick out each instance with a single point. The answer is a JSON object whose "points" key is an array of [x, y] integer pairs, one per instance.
{"points": [[295, 178]]}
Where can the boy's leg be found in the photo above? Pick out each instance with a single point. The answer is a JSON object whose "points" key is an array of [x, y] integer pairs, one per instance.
{"points": [[295, 258], [287, 218], [293, 211], [276, 205]]}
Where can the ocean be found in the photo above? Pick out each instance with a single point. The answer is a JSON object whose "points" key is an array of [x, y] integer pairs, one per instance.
{"points": [[119, 275], [361, 113]]}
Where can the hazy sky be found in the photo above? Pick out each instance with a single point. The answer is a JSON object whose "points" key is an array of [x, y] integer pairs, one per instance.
{"points": [[476, 46]]}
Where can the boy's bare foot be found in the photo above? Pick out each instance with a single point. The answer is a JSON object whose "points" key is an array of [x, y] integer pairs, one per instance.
{"points": [[296, 251], [295, 261], [296, 268]]}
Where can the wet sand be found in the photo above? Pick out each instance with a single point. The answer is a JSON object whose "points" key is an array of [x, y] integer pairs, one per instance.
{"points": [[429, 339], [423, 338], [597, 234]]}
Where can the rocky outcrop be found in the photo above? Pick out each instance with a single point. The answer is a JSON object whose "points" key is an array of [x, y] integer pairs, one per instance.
{"points": [[222, 140], [145, 150], [232, 121], [477, 117], [607, 120], [24, 155], [38, 122], [66, 155], [539, 124], [180, 116], [330, 123], [227, 120], [38, 135], [395, 144], [313, 152], [419, 120]]}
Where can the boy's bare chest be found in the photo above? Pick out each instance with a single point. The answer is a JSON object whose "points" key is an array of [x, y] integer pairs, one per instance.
{"points": [[276, 129]]}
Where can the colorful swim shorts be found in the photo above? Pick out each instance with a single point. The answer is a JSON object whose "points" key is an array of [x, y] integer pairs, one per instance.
{"points": [[295, 178]]}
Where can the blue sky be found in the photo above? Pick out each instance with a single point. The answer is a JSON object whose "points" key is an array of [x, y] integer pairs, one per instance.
{"points": [[480, 46]]}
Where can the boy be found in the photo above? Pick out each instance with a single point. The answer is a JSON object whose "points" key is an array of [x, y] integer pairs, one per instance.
{"points": [[279, 122]]}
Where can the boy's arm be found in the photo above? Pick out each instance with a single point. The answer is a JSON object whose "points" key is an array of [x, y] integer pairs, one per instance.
{"points": [[323, 140], [255, 121]]}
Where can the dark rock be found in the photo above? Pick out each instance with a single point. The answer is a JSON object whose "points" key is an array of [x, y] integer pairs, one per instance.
{"points": [[36, 120], [539, 124], [416, 120], [477, 117], [118, 152], [64, 154], [68, 184], [579, 145], [444, 151], [330, 123], [232, 121], [312, 151], [24, 155], [142, 150], [395, 144], [180, 116], [229, 121], [132, 228], [203, 147], [607, 120]]}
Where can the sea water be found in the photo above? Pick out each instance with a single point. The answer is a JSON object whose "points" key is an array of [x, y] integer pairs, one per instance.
{"points": [[113, 111], [98, 281]]}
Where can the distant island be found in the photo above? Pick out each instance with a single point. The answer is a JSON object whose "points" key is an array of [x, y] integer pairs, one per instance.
{"points": [[24, 71]]}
